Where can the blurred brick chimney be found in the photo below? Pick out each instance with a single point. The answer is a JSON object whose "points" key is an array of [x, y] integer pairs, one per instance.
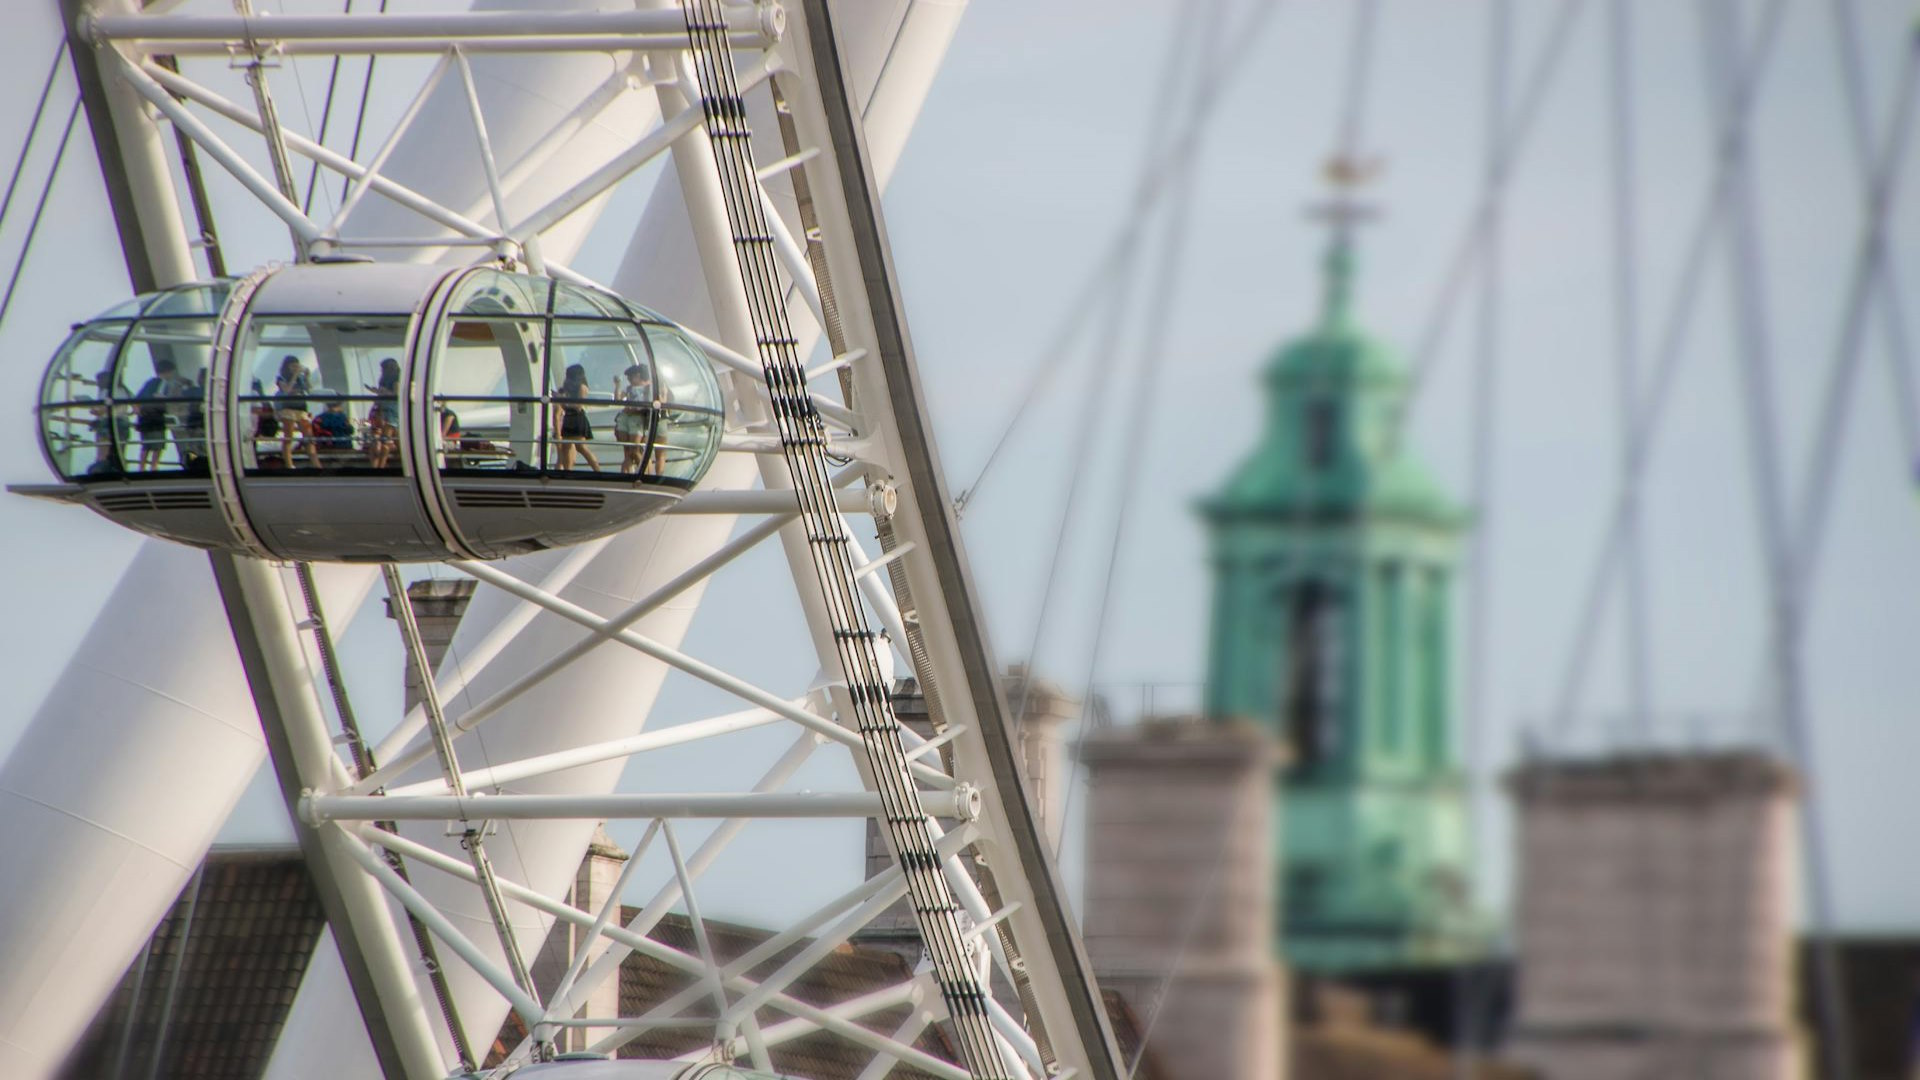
{"points": [[437, 607]]}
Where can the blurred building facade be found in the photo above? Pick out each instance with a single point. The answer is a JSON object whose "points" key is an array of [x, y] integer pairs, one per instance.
{"points": [[1333, 556], [1655, 922], [1179, 891]]}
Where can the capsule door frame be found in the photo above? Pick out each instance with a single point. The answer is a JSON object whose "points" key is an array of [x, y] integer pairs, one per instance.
{"points": [[223, 407], [222, 403], [419, 429]]}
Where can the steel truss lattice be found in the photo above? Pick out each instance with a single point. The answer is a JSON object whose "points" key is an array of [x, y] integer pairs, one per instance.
{"points": [[826, 251]]}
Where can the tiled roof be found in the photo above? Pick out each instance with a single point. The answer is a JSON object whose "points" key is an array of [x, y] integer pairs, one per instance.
{"points": [[842, 975], [221, 969], [224, 964]]}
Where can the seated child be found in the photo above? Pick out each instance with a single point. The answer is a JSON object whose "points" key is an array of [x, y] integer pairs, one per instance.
{"points": [[333, 429]]}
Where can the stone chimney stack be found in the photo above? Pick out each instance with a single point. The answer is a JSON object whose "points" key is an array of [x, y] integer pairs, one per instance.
{"points": [[594, 883], [1655, 918], [1046, 711], [437, 608], [1180, 879]]}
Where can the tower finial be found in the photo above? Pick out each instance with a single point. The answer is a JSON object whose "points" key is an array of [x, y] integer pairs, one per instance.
{"points": [[1345, 174]]}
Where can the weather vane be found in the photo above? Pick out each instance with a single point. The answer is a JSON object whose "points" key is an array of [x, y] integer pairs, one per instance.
{"points": [[1346, 173]]}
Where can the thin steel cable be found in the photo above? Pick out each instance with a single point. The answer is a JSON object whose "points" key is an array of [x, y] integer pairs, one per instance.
{"points": [[1190, 929], [1719, 27], [360, 114], [1667, 360], [33, 129], [1624, 222], [1106, 270], [1471, 999], [1872, 278], [1094, 392], [1120, 254], [306, 113], [326, 121], [1893, 316], [1148, 362], [1353, 107], [39, 210], [1512, 143]]}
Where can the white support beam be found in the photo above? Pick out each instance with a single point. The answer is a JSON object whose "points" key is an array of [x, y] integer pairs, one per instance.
{"points": [[751, 26], [760, 501], [489, 167], [844, 360], [304, 229], [699, 669], [628, 939], [716, 985], [608, 964], [906, 1034], [816, 950], [961, 802], [398, 762], [847, 1011], [583, 949], [743, 365], [601, 180], [357, 188], [307, 148], [792, 257], [443, 928], [562, 760]]}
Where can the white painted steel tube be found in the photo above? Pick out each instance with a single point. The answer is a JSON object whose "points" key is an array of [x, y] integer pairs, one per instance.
{"points": [[561, 760], [139, 751], [602, 693], [113, 793], [147, 740], [794, 804], [442, 30]]}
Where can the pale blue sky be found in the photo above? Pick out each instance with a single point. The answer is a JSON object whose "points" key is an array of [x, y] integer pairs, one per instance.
{"points": [[1018, 173]]}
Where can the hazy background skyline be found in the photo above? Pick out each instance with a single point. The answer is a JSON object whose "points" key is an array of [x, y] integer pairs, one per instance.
{"points": [[1016, 177]]}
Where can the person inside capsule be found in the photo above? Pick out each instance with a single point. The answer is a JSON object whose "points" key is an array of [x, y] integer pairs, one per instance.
{"points": [[576, 431], [290, 388], [382, 433], [634, 426], [110, 432], [151, 416]]}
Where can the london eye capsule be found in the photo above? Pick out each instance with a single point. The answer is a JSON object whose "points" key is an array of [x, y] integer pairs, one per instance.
{"points": [[378, 412]]}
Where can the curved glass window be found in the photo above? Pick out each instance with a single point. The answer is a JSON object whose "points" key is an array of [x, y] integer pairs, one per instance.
{"points": [[590, 387], [689, 406], [76, 403], [127, 392], [320, 392]]}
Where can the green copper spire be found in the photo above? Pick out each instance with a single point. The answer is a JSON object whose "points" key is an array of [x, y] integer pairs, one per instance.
{"points": [[1333, 554], [1337, 268]]}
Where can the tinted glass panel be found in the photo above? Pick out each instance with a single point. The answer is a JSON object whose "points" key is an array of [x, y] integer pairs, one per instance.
{"points": [[76, 414], [486, 393], [590, 303], [321, 393], [164, 362], [690, 406], [204, 299], [493, 292], [597, 369]]}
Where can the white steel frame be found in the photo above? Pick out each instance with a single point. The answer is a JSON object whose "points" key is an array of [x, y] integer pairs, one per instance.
{"points": [[962, 774]]}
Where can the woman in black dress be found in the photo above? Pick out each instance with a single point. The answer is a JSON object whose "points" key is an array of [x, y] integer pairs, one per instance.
{"points": [[570, 403]]}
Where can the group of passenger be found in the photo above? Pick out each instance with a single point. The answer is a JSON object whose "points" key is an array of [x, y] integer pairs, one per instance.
{"points": [[167, 403], [288, 415], [170, 403]]}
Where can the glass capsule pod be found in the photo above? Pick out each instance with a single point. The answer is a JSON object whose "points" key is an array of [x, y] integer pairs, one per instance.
{"points": [[378, 412]]}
